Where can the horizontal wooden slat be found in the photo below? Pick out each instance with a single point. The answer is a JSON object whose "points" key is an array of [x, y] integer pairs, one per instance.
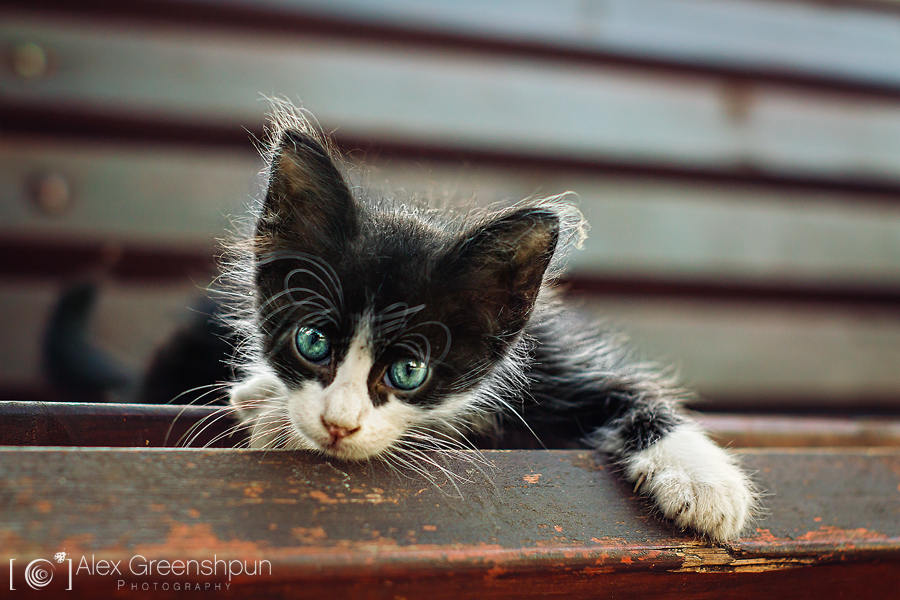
{"points": [[152, 426], [463, 100], [768, 431], [525, 524], [116, 425], [848, 43], [855, 43], [643, 230], [155, 196], [769, 357]]}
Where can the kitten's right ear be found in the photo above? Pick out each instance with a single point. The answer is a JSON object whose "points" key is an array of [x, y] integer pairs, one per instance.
{"points": [[307, 202]]}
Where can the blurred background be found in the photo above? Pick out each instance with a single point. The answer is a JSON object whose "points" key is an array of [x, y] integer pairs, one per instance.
{"points": [[738, 160]]}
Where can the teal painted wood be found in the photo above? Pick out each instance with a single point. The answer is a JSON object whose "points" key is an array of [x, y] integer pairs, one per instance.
{"points": [[848, 42], [462, 101], [646, 229]]}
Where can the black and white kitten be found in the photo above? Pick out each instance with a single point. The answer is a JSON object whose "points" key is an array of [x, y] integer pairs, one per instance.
{"points": [[377, 328]]}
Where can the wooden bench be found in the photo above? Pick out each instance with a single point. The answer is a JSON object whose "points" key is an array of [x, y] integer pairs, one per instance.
{"points": [[744, 203], [514, 524]]}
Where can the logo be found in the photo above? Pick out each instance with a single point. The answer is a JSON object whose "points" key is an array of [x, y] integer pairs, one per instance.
{"points": [[39, 572], [140, 573]]}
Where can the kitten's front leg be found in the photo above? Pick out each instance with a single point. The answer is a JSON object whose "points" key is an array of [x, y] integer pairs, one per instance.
{"points": [[258, 402], [693, 481]]}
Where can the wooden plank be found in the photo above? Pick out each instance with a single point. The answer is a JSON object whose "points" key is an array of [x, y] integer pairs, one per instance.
{"points": [[662, 230], [126, 192], [528, 524], [463, 101], [854, 43], [115, 425], [849, 43], [757, 357], [769, 431], [154, 426]]}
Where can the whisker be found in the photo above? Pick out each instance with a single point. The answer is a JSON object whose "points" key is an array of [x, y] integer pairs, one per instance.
{"points": [[202, 425], [214, 387]]}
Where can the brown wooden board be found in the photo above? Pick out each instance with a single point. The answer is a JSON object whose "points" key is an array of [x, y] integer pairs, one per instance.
{"points": [[116, 425], [522, 524], [153, 426]]}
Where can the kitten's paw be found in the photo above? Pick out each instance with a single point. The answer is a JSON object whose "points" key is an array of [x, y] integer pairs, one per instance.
{"points": [[694, 482]]}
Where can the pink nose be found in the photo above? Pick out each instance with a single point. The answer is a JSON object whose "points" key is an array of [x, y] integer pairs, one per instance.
{"points": [[337, 432]]}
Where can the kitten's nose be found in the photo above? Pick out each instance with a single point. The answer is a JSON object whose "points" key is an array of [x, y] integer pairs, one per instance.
{"points": [[338, 432]]}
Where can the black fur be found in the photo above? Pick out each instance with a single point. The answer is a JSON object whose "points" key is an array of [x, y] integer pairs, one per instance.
{"points": [[484, 282], [467, 297]]}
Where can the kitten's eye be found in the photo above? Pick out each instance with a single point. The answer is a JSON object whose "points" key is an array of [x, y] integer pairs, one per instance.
{"points": [[312, 345], [406, 374]]}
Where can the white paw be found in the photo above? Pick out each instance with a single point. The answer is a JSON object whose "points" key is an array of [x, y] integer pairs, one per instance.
{"points": [[694, 482], [257, 402]]}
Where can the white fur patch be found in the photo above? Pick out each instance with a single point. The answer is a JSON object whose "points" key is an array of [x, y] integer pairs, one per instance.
{"points": [[694, 482], [346, 402], [295, 419], [259, 402]]}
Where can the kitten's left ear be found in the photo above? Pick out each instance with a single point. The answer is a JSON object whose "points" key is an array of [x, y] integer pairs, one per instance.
{"points": [[498, 269]]}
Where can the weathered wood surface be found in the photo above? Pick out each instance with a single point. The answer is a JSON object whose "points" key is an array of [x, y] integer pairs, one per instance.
{"points": [[115, 425], [766, 431], [154, 426], [528, 523]]}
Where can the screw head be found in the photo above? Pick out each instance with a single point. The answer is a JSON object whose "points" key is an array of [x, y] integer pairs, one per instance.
{"points": [[51, 193], [29, 61]]}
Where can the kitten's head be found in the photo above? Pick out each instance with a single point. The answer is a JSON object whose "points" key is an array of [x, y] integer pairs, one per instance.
{"points": [[381, 321]]}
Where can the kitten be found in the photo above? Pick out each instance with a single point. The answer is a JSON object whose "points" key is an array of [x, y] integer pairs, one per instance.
{"points": [[374, 328]]}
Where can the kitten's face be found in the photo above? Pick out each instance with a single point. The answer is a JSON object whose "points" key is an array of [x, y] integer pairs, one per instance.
{"points": [[357, 396], [380, 325]]}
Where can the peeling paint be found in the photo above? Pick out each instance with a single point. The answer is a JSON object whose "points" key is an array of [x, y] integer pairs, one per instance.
{"points": [[309, 535], [322, 497], [715, 559], [253, 491], [597, 570], [827, 533], [495, 571], [199, 539]]}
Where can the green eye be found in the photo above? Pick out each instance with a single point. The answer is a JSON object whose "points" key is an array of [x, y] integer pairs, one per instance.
{"points": [[406, 374], [312, 344]]}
